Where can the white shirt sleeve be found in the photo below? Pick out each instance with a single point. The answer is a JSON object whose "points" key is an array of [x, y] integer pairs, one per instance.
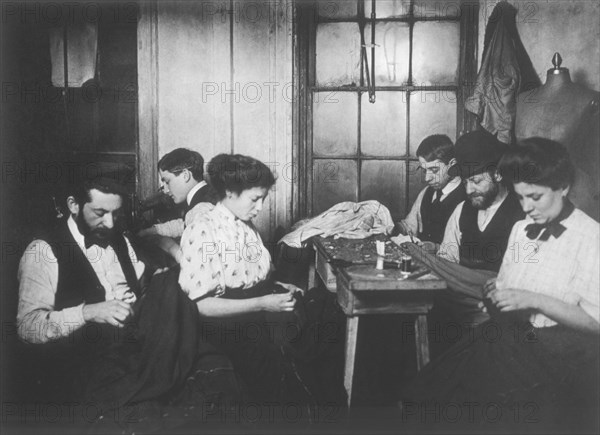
{"points": [[37, 321], [449, 249], [412, 221], [173, 228]]}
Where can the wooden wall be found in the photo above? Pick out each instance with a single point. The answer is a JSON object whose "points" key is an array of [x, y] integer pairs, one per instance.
{"points": [[216, 77]]}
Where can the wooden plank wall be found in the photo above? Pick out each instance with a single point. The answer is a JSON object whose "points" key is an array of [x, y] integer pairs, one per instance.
{"points": [[222, 84]]}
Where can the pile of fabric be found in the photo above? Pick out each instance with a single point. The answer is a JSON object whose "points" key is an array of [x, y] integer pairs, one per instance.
{"points": [[350, 220]]}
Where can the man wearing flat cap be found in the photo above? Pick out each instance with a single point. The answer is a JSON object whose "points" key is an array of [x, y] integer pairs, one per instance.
{"points": [[476, 235], [477, 232]]}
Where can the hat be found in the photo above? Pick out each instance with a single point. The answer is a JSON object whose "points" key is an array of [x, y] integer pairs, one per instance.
{"points": [[476, 152]]}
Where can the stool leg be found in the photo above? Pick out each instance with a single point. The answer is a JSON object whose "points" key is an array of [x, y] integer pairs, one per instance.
{"points": [[351, 338], [421, 341]]}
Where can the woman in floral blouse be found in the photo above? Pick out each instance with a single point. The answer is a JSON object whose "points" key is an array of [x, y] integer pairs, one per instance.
{"points": [[261, 324]]}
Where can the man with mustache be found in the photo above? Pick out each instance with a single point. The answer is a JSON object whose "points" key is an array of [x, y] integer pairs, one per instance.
{"points": [[85, 273], [477, 232]]}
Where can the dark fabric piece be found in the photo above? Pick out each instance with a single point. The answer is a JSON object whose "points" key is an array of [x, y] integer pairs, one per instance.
{"points": [[292, 264], [155, 354], [435, 215], [285, 357], [553, 228], [485, 250], [542, 378], [204, 194], [456, 309]]}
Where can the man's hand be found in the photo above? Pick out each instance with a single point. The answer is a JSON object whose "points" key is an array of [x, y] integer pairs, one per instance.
{"points": [[278, 302], [113, 312], [400, 239]]}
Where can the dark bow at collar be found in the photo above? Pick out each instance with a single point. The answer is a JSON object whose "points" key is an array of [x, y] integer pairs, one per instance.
{"points": [[553, 228], [91, 241]]}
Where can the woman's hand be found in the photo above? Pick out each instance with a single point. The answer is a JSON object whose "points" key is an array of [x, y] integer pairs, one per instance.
{"points": [[278, 302], [512, 299], [290, 287]]}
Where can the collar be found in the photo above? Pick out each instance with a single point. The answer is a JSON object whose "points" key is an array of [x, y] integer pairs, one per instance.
{"points": [[193, 191], [79, 238], [553, 228], [228, 214], [496, 205], [452, 184]]}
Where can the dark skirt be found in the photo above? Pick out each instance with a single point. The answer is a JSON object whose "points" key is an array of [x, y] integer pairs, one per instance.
{"points": [[507, 374], [294, 357]]}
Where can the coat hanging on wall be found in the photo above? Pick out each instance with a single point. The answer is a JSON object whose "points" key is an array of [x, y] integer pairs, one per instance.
{"points": [[505, 71]]}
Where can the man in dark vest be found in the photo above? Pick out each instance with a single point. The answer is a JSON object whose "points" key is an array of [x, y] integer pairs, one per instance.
{"points": [[92, 330], [182, 175], [84, 275], [477, 232], [435, 203]]}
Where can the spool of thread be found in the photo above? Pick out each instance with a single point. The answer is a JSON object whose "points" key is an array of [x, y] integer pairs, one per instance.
{"points": [[379, 265]]}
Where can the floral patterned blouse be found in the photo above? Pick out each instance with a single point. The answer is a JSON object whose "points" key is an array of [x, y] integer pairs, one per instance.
{"points": [[220, 251]]}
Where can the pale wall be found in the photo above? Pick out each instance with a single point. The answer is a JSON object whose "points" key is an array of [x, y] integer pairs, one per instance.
{"points": [[571, 28]]}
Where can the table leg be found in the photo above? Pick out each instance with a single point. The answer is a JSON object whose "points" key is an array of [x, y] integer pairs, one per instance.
{"points": [[311, 276], [351, 336], [421, 341]]}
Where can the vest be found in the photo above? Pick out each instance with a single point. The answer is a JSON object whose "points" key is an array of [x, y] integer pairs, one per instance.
{"points": [[204, 194], [485, 250], [77, 280], [434, 217], [56, 371]]}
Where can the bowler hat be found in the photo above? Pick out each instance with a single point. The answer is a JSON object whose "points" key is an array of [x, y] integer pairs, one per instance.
{"points": [[476, 152]]}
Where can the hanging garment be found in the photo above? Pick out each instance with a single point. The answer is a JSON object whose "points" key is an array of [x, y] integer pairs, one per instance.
{"points": [[505, 71]]}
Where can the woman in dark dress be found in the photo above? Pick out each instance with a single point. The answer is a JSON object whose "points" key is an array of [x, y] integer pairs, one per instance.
{"points": [[535, 364]]}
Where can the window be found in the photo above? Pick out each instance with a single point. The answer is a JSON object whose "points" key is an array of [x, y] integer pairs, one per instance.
{"points": [[357, 150]]}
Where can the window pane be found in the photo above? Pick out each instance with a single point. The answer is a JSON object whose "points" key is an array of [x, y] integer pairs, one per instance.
{"points": [[338, 54], [436, 8], [388, 8], [391, 53], [431, 112], [435, 53], [335, 123], [383, 181], [337, 9], [333, 181], [383, 124]]}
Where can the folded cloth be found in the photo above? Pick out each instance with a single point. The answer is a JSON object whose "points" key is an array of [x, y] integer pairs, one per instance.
{"points": [[459, 278], [349, 220]]}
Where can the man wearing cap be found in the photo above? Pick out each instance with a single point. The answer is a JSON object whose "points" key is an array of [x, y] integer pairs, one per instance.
{"points": [[477, 232]]}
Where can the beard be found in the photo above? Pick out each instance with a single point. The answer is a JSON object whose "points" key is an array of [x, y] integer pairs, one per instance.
{"points": [[483, 200], [101, 234]]}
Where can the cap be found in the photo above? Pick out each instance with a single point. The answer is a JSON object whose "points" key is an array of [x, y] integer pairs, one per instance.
{"points": [[476, 152]]}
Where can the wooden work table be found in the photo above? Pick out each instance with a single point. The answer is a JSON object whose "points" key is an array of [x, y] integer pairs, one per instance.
{"points": [[363, 290]]}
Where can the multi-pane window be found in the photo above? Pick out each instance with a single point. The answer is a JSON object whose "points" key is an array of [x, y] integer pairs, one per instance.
{"points": [[360, 150]]}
